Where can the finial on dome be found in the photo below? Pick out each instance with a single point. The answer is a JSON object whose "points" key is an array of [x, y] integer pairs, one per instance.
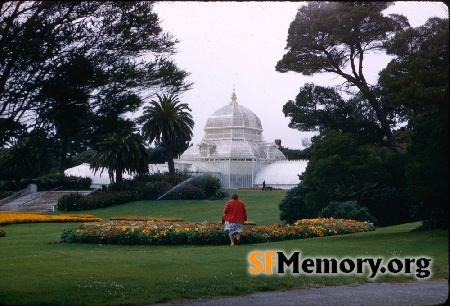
{"points": [[233, 98]]}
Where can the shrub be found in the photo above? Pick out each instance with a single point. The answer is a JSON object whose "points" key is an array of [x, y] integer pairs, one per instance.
{"points": [[186, 192], [350, 210], [55, 180], [71, 202], [94, 200], [389, 205], [174, 179], [208, 183], [152, 186], [293, 207], [152, 190]]}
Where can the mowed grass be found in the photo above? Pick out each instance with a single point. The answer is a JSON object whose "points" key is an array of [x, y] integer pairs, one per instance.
{"points": [[36, 269]]}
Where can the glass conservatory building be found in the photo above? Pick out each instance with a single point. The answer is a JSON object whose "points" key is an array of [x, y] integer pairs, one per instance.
{"points": [[234, 147]]}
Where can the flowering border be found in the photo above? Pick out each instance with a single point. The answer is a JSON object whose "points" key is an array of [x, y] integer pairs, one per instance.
{"points": [[205, 233], [133, 218], [39, 217]]}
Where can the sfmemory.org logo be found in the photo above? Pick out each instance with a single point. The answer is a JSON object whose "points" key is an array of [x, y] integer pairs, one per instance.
{"points": [[277, 263]]}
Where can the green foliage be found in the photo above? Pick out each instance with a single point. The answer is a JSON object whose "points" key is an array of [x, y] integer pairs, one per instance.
{"points": [[334, 37], [82, 157], [71, 202], [145, 187], [295, 154], [28, 157], [390, 205], [94, 200], [167, 121], [430, 224], [209, 184], [340, 168], [293, 206], [417, 82], [122, 151], [318, 108], [52, 32], [65, 94], [55, 180], [151, 190], [350, 210], [418, 78], [173, 179], [157, 155], [186, 192]]}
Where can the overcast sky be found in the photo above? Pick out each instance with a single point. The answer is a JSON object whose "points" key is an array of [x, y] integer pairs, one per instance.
{"points": [[226, 45]]}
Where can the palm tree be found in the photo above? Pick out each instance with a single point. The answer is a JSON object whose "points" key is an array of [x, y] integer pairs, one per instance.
{"points": [[167, 121], [121, 152]]}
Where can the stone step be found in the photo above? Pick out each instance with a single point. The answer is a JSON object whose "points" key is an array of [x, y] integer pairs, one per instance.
{"points": [[42, 201]]}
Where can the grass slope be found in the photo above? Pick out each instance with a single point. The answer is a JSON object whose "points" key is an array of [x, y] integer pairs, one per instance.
{"points": [[36, 269]]}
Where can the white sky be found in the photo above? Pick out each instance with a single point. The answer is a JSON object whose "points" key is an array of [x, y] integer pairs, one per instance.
{"points": [[226, 45]]}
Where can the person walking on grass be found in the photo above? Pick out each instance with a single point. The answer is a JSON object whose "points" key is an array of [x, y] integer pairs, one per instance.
{"points": [[235, 215]]}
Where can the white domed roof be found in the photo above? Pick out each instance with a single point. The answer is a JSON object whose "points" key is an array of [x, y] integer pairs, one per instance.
{"points": [[233, 132], [233, 116]]}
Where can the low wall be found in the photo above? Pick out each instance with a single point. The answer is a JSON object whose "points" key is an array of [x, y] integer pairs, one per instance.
{"points": [[29, 189]]}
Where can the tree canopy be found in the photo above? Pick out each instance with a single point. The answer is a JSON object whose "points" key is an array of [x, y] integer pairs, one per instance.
{"points": [[121, 152], [408, 107], [334, 37], [167, 121], [123, 41]]}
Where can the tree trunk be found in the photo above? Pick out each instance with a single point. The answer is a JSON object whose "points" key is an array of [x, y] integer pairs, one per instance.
{"points": [[170, 162], [395, 145], [119, 177], [63, 153]]}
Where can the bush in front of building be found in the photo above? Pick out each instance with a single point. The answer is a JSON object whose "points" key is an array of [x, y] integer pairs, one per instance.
{"points": [[209, 184], [148, 187], [55, 180], [94, 200]]}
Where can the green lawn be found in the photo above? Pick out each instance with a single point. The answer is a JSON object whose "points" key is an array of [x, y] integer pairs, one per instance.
{"points": [[36, 269]]}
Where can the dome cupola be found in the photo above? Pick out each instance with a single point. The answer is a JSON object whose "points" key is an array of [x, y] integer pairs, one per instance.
{"points": [[233, 121]]}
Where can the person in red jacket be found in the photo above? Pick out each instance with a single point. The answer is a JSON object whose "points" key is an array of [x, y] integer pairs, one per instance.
{"points": [[235, 215]]}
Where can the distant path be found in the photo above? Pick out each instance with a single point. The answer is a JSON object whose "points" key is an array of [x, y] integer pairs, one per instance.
{"points": [[416, 293]]}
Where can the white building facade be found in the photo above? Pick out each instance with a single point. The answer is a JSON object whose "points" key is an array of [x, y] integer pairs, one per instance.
{"points": [[233, 145], [233, 149]]}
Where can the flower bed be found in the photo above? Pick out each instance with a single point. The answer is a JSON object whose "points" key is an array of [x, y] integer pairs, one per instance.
{"points": [[132, 218], [205, 233], [29, 217]]}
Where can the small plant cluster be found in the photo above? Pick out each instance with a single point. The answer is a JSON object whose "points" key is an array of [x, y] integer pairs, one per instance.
{"points": [[205, 233], [29, 217], [145, 187]]}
